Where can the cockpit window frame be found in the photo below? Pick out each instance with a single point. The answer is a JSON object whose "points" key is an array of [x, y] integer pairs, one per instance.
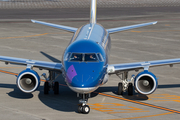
{"points": [[98, 56]]}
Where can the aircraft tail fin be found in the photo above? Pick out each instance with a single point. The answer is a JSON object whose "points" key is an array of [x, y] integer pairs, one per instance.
{"points": [[93, 11]]}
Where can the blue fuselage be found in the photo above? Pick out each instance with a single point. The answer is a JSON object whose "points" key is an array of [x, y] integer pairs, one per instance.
{"points": [[85, 59]]}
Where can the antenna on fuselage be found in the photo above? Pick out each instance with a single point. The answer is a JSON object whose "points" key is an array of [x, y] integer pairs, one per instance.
{"points": [[93, 11]]}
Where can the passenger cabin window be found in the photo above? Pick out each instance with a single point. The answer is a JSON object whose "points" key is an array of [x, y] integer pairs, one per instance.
{"points": [[77, 57], [100, 57], [90, 58]]}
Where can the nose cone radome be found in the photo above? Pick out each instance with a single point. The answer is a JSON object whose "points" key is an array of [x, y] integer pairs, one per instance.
{"points": [[84, 80], [83, 76]]}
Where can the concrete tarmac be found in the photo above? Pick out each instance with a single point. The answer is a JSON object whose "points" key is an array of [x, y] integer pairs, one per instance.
{"points": [[23, 39]]}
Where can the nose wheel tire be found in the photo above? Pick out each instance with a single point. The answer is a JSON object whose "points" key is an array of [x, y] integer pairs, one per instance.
{"points": [[120, 89], [84, 109], [79, 109], [46, 87]]}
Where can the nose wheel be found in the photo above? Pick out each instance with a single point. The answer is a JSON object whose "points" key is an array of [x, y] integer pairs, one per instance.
{"points": [[83, 109]]}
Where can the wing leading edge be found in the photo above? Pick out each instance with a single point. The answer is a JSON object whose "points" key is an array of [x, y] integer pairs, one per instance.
{"points": [[33, 63], [114, 68]]}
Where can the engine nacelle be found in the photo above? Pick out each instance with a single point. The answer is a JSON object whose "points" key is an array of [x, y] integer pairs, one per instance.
{"points": [[28, 81], [145, 82]]}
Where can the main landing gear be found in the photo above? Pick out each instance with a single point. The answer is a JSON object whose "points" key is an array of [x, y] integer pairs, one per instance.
{"points": [[50, 84], [125, 85], [83, 107]]}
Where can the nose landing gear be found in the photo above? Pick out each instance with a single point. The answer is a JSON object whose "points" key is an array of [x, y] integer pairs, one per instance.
{"points": [[83, 107]]}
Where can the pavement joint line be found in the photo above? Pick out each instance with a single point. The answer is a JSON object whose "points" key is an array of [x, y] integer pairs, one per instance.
{"points": [[140, 103], [36, 35], [143, 116]]}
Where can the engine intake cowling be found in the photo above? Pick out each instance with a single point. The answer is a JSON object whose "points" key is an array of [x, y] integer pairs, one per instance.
{"points": [[145, 82], [28, 81]]}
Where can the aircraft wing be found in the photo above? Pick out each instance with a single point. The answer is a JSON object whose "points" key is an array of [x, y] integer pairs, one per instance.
{"points": [[34, 63], [118, 29], [114, 68], [66, 28]]}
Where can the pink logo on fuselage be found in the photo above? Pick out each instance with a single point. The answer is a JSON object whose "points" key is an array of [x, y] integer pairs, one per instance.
{"points": [[71, 73]]}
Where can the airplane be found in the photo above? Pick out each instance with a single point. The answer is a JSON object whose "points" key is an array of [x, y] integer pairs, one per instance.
{"points": [[85, 64]]}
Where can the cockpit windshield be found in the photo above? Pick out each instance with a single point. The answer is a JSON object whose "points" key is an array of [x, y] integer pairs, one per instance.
{"points": [[90, 57], [86, 57], [76, 57]]}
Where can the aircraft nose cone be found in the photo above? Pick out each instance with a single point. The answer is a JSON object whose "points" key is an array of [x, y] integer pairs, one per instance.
{"points": [[82, 80], [77, 76]]}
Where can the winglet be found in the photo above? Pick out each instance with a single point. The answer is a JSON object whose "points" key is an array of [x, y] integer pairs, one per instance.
{"points": [[33, 21], [155, 23], [93, 11]]}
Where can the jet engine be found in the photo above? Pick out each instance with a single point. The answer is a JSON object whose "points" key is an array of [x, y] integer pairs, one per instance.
{"points": [[28, 81], [145, 82]]}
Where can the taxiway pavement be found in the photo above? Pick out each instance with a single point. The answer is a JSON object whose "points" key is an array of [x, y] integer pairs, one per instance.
{"points": [[21, 38]]}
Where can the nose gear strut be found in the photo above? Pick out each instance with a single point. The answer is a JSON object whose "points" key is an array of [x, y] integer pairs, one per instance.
{"points": [[83, 107]]}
